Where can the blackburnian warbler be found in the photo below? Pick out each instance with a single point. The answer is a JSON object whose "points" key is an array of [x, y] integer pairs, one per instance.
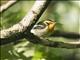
{"points": [[44, 28]]}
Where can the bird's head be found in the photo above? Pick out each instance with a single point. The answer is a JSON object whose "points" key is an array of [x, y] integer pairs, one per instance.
{"points": [[50, 23]]}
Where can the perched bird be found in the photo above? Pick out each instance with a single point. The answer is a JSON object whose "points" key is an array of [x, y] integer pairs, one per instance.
{"points": [[44, 28]]}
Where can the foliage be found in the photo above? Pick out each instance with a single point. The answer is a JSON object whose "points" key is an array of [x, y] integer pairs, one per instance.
{"points": [[65, 13]]}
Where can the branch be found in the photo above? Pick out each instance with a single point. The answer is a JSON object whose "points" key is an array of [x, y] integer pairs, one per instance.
{"points": [[69, 35], [56, 44], [22, 29], [7, 5], [25, 25]]}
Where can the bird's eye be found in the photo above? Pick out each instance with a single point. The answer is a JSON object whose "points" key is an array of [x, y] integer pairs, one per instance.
{"points": [[47, 23]]}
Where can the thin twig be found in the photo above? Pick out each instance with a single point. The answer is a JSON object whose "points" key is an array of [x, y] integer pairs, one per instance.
{"points": [[57, 44], [7, 5], [68, 35]]}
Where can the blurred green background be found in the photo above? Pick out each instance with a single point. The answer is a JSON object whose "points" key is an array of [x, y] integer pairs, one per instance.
{"points": [[66, 13]]}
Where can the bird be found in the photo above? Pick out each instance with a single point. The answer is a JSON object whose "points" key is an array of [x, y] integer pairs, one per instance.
{"points": [[44, 28]]}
